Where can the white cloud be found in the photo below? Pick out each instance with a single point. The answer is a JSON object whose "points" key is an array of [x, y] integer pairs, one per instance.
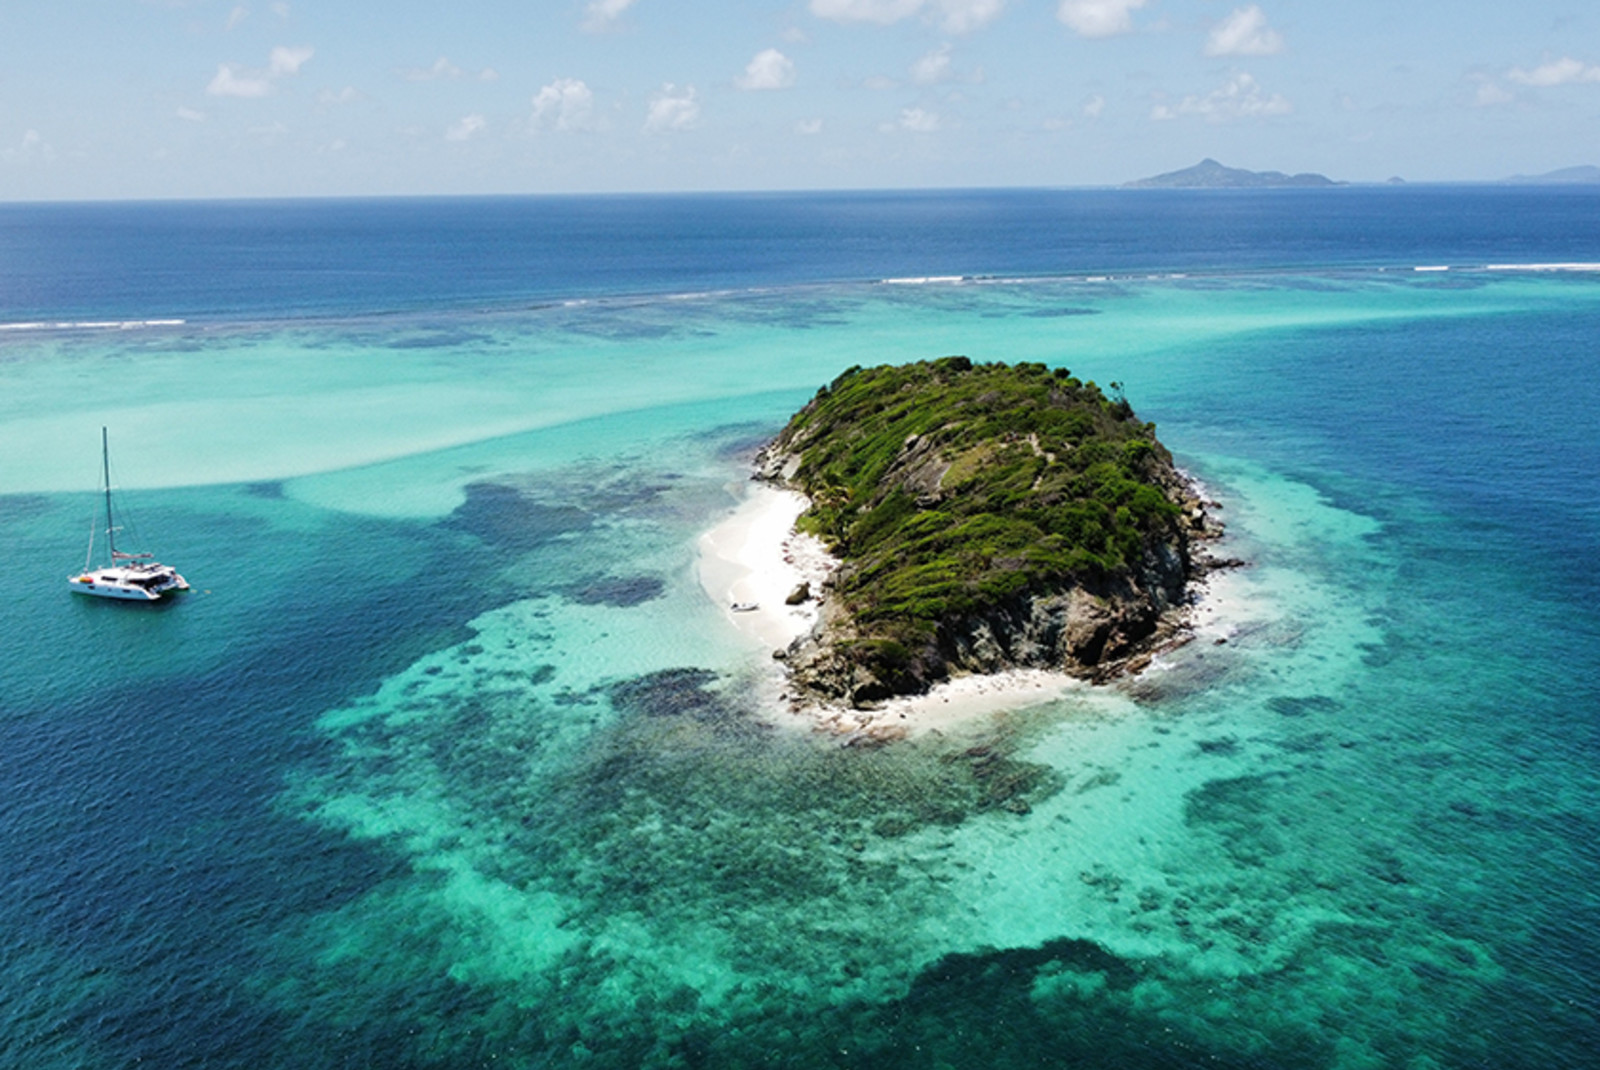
{"points": [[338, 96], [603, 14], [1563, 71], [880, 11], [1099, 18], [235, 81], [465, 128], [236, 16], [286, 61], [1244, 33], [770, 69], [488, 74], [281, 10], [1490, 95], [964, 16], [565, 104], [878, 82], [31, 147], [1240, 97], [671, 109], [808, 126], [933, 67], [442, 68], [918, 120], [1094, 106], [190, 115], [230, 81], [954, 16]]}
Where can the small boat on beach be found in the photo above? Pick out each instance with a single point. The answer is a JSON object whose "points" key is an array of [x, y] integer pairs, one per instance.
{"points": [[745, 607], [133, 577]]}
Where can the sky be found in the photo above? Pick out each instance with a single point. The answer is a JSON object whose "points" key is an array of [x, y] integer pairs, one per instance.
{"points": [[116, 99]]}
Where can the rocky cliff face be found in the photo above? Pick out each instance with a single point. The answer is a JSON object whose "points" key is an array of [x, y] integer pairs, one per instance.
{"points": [[1028, 597], [1095, 627]]}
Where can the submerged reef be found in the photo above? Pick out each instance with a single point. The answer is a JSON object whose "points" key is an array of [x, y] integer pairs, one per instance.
{"points": [[987, 517]]}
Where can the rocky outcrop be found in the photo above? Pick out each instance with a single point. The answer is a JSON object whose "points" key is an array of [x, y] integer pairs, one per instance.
{"points": [[1092, 629], [1093, 621]]}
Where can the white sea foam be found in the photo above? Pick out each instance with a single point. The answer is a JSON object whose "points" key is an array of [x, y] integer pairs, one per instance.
{"points": [[89, 325], [1431, 267], [922, 280], [1574, 266]]}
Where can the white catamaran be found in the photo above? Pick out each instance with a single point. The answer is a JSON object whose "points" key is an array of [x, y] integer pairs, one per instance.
{"points": [[134, 577]]}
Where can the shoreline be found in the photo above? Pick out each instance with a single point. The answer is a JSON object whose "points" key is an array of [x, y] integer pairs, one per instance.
{"points": [[961, 702], [755, 555], [756, 558]]}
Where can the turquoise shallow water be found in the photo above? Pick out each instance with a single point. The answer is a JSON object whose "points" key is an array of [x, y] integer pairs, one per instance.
{"points": [[448, 761]]}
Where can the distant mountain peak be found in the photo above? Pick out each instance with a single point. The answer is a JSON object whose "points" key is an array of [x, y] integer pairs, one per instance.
{"points": [[1566, 176], [1210, 174]]}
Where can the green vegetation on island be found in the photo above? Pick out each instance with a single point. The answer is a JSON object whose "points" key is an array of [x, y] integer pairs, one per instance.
{"points": [[988, 516]]}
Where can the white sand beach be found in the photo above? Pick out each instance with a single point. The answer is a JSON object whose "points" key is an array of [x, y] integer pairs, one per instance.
{"points": [[961, 702], [755, 557]]}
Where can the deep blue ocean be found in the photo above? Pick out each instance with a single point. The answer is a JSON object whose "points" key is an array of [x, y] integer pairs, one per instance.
{"points": [[225, 260], [450, 760]]}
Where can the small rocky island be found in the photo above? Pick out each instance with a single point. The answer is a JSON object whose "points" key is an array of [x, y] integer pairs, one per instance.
{"points": [[1209, 174], [987, 517]]}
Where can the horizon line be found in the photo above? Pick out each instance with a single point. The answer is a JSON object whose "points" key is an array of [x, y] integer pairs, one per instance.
{"points": [[1515, 182]]}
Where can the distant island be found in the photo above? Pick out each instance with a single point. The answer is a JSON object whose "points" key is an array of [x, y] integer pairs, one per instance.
{"points": [[987, 517], [1566, 176], [1209, 174]]}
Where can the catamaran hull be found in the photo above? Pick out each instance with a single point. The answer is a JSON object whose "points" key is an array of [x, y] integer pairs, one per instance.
{"points": [[98, 587]]}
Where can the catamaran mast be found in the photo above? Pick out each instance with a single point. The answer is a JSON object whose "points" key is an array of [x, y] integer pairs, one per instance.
{"points": [[105, 461]]}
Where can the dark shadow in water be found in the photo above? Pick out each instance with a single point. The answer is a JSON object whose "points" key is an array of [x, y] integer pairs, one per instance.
{"points": [[1058, 313], [1301, 706], [22, 506], [1243, 800], [1019, 1008], [438, 339], [507, 519], [619, 591], [959, 975], [670, 693], [742, 442], [1066, 1003]]}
